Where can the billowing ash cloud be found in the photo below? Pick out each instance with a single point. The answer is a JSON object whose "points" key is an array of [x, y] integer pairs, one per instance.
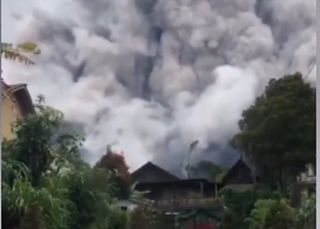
{"points": [[151, 76]]}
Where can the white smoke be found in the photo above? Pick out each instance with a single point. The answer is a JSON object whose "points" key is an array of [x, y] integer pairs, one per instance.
{"points": [[152, 76]]}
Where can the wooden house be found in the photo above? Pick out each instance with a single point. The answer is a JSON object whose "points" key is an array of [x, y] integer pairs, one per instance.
{"points": [[190, 200], [163, 185], [16, 103], [150, 173], [240, 177]]}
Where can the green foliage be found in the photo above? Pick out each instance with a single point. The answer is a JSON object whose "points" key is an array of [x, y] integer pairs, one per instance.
{"points": [[119, 219], [113, 162], [231, 220], [278, 130], [138, 219], [146, 216], [46, 185], [136, 196], [240, 204], [29, 47], [306, 213], [92, 192], [209, 170], [21, 197], [20, 52], [272, 214], [33, 144], [33, 218]]}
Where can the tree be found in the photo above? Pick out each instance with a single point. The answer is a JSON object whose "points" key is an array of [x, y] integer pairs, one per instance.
{"points": [[33, 143], [277, 133], [272, 214], [20, 52], [146, 216], [92, 191], [209, 170], [31, 168], [240, 204], [115, 162], [307, 213], [45, 183]]}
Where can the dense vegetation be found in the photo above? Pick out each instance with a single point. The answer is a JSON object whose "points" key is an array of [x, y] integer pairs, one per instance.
{"points": [[46, 184], [278, 137], [278, 132]]}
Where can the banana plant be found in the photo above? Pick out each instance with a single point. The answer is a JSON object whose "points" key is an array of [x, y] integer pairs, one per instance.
{"points": [[137, 196]]}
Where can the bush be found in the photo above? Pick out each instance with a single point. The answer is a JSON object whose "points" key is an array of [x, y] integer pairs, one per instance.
{"points": [[240, 204], [46, 185], [306, 214], [272, 214]]}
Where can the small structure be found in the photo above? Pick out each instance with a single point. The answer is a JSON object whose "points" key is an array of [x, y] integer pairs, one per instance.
{"points": [[191, 201], [305, 186], [16, 103]]}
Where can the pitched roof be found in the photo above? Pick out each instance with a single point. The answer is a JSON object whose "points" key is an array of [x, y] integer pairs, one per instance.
{"points": [[22, 96], [233, 174], [150, 172], [16, 87]]}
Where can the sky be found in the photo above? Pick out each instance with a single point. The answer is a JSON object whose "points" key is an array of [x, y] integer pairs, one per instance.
{"points": [[149, 76]]}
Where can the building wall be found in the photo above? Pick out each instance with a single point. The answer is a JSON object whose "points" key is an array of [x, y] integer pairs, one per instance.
{"points": [[189, 192], [9, 115]]}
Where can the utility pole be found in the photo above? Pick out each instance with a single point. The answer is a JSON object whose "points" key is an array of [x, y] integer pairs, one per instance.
{"points": [[109, 151]]}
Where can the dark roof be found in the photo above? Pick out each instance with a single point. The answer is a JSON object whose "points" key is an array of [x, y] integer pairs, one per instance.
{"points": [[239, 173], [151, 173], [16, 87], [22, 97]]}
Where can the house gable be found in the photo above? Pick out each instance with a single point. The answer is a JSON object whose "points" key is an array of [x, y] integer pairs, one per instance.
{"points": [[21, 95], [240, 173], [16, 103], [151, 173]]}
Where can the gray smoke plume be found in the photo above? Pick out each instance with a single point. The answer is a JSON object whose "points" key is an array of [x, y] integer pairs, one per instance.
{"points": [[152, 76]]}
